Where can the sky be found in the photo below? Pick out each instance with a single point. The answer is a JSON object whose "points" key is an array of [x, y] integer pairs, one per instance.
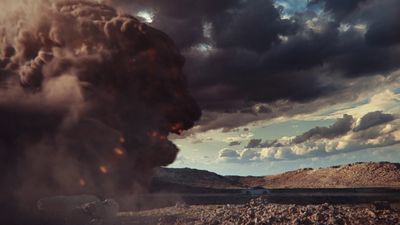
{"points": [[285, 84]]}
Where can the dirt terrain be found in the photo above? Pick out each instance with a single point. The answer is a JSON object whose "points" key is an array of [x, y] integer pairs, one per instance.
{"points": [[195, 178], [356, 175], [260, 211], [348, 176], [358, 193]]}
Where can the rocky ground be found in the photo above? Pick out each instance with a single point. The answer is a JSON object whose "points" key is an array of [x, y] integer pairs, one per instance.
{"points": [[258, 211]]}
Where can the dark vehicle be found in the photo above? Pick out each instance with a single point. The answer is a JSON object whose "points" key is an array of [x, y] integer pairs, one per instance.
{"points": [[258, 190]]}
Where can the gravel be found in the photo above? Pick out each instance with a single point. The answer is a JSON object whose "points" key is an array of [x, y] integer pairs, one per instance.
{"points": [[259, 211]]}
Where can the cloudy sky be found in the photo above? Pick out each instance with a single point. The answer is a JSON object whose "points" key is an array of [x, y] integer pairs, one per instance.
{"points": [[285, 84]]}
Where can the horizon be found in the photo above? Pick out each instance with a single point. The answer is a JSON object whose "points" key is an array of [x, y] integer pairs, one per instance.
{"points": [[282, 172]]}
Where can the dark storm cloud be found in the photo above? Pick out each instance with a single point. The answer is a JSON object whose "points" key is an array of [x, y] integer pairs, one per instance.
{"points": [[252, 54], [373, 119], [255, 26], [183, 19], [339, 128], [384, 25], [340, 8]]}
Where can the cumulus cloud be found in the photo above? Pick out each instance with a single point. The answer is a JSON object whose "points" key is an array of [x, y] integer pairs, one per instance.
{"points": [[373, 119], [340, 127], [253, 143], [228, 155], [325, 141]]}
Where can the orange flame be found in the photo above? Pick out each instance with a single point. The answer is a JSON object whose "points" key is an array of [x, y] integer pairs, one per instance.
{"points": [[82, 182], [153, 134], [103, 169], [119, 151], [177, 128], [156, 134]]}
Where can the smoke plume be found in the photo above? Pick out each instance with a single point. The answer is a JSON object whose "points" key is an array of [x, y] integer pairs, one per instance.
{"points": [[88, 97]]}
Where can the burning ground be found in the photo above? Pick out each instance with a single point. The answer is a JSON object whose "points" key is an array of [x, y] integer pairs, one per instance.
{"points": [[88, 98]]}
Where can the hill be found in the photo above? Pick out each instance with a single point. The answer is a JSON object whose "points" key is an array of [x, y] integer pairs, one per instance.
{"points": [[383, 174], [194, 178], [355, 175]]}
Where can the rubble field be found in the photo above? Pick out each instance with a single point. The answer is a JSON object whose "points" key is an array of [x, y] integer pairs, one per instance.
{"points": [[260, 211]]}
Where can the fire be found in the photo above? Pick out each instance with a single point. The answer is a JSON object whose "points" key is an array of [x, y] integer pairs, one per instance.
{"points": [[82, 182], [103, 169], [153, 134], [122, 140], [156, 134], [177, 128], [119, 151]]}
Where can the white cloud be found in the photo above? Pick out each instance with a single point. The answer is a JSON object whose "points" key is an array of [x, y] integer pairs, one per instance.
{"points": [[386, 101], [378, 134], [374, 137], [249, 154]]}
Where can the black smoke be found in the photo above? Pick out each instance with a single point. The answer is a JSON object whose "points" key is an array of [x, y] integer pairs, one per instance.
{"points": [[88, 98]]}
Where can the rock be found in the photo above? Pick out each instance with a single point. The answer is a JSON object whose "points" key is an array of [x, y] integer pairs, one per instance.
{"points": [[292, 210], [325, 206], [317, 217], [181, 205], [339, 221], [371, 213], [258, 212]]}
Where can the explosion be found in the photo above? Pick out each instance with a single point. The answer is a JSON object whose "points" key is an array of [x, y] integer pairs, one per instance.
{"points": [[86, 94]]}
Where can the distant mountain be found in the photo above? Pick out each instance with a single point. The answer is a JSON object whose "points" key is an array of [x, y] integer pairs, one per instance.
{"points": [[383, 174], [194, 178]]}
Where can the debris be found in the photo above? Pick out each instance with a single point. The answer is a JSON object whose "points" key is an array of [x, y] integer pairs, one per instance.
{"points": [[79, 210]]}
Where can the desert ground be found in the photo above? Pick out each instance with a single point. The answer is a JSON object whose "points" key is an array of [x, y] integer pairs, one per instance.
{"points": [[260, 211], [358, 193]]}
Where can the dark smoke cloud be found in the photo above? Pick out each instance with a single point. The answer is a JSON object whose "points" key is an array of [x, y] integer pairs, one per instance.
{"points": [[88, 97]]}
